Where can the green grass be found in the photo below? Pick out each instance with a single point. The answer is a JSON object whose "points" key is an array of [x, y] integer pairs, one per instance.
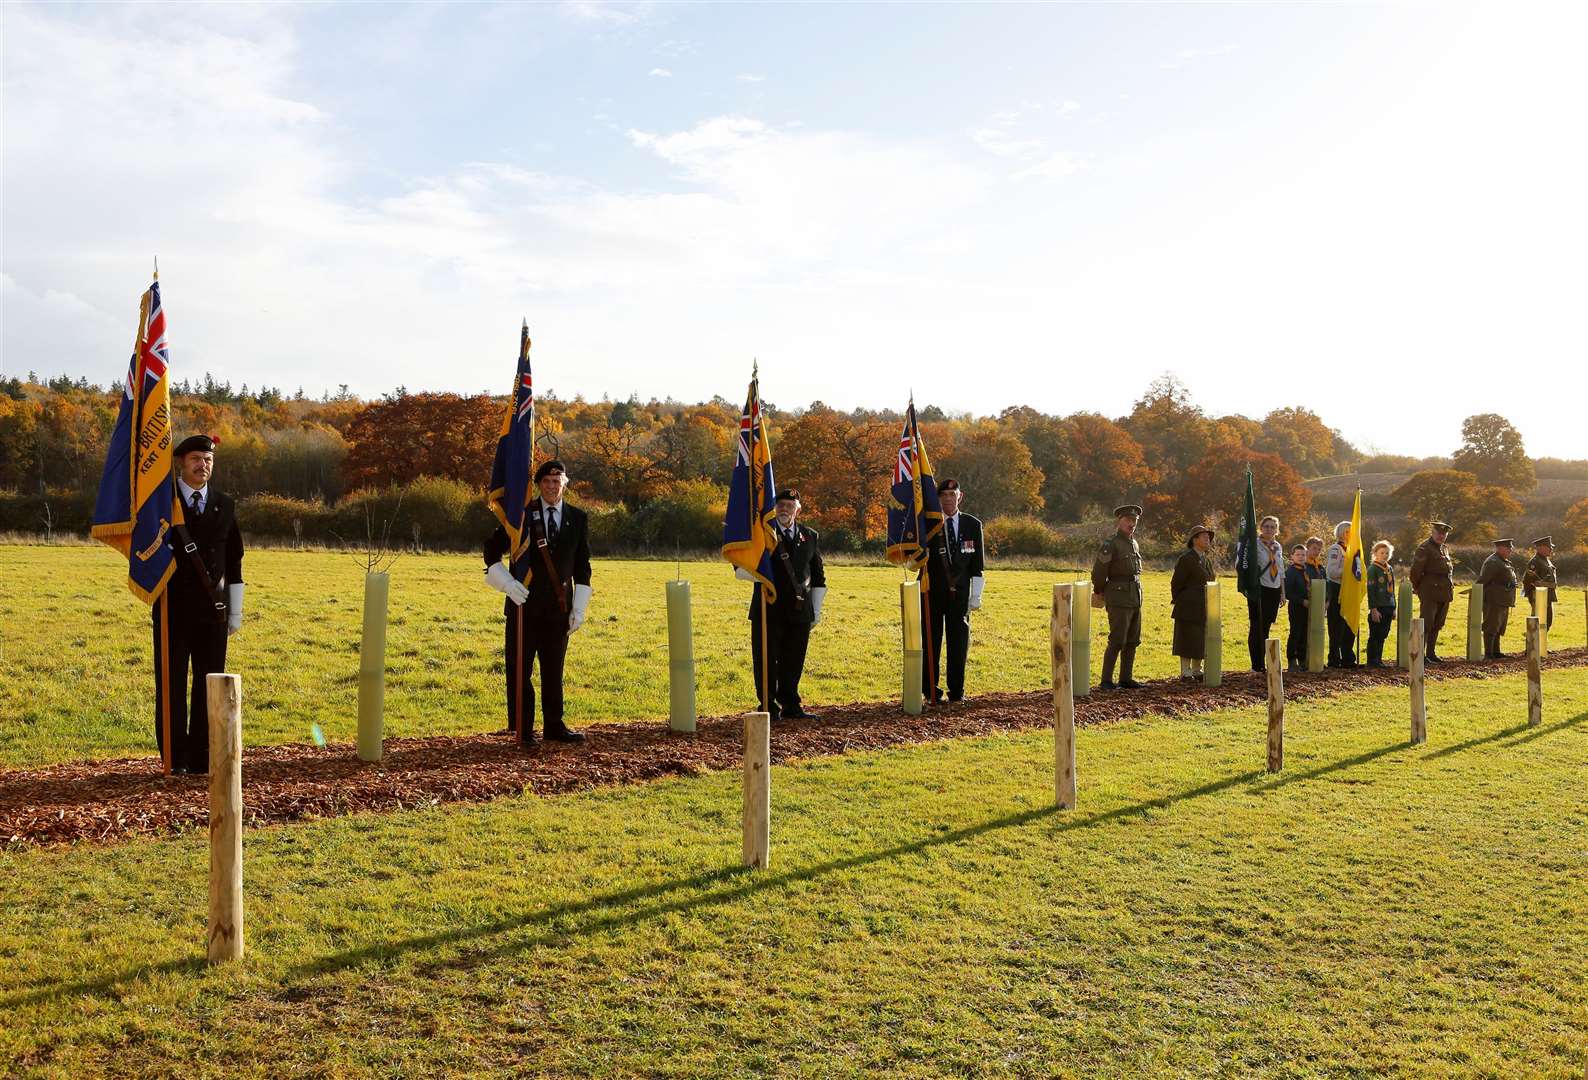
{"points": [[76, 680], [1377, 909]]}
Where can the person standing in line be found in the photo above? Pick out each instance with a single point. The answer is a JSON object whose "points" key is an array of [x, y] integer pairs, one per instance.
{"points": [[955, 577], [1380, 601], [1297, 580], [1342, 639], [1433, 578], [801, 584], [1263, 609], [1498, 578], [1116, 586], [1541, 572], [1188, 593]]}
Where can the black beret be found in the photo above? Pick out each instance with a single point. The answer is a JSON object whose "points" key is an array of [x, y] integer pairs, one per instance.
{"points": [[205, 444], [788, 495], [549, 466]]}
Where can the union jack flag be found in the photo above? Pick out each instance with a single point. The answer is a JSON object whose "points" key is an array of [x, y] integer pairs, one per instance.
{"points": [[747, 537], [914, 513], [510, 488]]}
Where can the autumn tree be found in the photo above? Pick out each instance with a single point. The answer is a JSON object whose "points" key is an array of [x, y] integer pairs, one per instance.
{"points": [[1574, 528], [994, 467], [1213, 490], [1301, 438], [1491, 450], [1110, 466], [19, 444], [1172, 430], [840, 464], [401, 439], [1457, 497], [1048, 438]]}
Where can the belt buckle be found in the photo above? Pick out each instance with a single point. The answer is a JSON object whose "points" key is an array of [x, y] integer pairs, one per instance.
{"points": [[190, 547], [541, 542]]}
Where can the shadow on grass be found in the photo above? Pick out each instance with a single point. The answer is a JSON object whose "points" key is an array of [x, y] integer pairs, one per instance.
{"points": [[561, 922]]}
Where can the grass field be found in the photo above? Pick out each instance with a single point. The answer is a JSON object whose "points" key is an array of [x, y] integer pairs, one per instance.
{"points": [[76, 680], [1377, 909]]}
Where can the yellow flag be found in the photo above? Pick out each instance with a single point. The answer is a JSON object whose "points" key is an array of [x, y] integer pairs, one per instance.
{"points": [[1353, 579]]}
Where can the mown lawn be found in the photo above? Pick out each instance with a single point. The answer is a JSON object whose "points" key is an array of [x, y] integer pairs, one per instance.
{"points": [[1377, 909], [75, 679]]}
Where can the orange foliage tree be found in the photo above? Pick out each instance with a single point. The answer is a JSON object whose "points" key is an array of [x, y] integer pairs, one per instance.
{"points": [[403, 438], [842, 466], [1213, 490]]}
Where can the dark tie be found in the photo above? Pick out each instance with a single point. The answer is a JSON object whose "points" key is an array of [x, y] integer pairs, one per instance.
{"points": [[953, 537], [551, 526], [196, 498]]}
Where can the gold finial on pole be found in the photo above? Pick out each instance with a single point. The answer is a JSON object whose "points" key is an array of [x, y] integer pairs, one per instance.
{"points": [[157, 268]]}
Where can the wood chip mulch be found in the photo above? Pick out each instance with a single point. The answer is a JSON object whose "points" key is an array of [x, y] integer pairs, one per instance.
{"points": [[111, 800]]}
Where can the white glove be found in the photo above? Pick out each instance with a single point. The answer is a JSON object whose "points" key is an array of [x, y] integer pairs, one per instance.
{"points": [[742, 574], [976, 584], [581, 604], [234, 608], [818, 594], [500, 578]]}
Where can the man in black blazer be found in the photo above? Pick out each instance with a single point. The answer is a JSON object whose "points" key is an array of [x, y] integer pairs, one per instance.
{"points": [[555, 562], [801, 587], [955, 575], [203, 604]]}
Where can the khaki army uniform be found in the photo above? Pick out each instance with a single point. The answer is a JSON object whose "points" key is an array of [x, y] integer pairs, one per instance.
{"points": [[1116, 577], [1498, 578], [1433, 577], [1541, 571]]}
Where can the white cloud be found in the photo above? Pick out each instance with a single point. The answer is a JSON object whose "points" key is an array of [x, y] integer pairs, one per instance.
{"points": [[746, 77], [661, 73], [1053, 167]]}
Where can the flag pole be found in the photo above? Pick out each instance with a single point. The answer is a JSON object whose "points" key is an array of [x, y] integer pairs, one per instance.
{"points": [[164, 600], [518, 677], [928, 635], [755, 509]]}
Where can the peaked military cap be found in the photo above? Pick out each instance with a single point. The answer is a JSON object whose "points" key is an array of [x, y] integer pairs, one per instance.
{"points": [[788, 495], [1196, 530], [200, 444], [1439, 526], [1503, 540], [551, 465], [1129, 508], [1544, 540]]}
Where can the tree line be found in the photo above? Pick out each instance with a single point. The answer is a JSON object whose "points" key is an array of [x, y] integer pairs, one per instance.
{"points": [[655, 470]]}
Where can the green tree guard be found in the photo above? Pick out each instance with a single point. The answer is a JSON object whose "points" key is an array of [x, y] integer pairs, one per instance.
{"points": [[1213, 664], [680, 658], [1403, 626], [1317, 614], [1475, 623], [914, 696], [1081, 639], [372, 667]]}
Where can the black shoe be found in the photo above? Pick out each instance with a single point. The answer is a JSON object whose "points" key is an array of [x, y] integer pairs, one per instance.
{"points": [[564, 735], [1432, 659], [528, 742], [956, 699], [1293, 667], [797, 713], [1107, 684], [1376, 664], [1129, 684]]}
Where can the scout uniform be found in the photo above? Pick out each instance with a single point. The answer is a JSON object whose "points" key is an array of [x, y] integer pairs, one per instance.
{"points": [[1541, 571], [1298, 580], [1433, 577], [1188, 597], [1116, 578], [1380, 599], [1498, 578]]}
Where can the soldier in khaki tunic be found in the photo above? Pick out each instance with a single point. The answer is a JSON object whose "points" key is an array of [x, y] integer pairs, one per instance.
{"points": [[1498, 578], [1433, 577], [1541, 571], [1116, 585]]}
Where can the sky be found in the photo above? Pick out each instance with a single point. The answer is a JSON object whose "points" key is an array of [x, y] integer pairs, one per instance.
{"points": [[1373, 211]]}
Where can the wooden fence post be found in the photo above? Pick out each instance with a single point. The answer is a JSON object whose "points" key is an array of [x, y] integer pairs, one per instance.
{"points": [[1419, 703], [1063, 699], [1403, 626], [1317, 615], [1535, 678], [224, 694], [1081, 640], [680, 658], [1276, 705], [1213, 645], [913, 693], [1475, 622], [757, 789]]}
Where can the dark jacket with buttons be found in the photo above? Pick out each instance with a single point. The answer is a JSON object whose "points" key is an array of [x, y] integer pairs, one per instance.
{"points": [[570, 557], [220, 546], [796, 570]]}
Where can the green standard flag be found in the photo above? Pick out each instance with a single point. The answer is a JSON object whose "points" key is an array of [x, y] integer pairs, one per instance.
{"points": [[1248, 574]]}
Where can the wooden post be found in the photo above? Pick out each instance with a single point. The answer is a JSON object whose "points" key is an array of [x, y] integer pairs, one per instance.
{"points": [[1403, 626], [1063, 699], [913, 694], [1419, 703], [1475, 622], [1081, 640], [1535, 679], [1317, 616], [1541, 613], [372, 668], [680, 658], [224, 694], [757, 789], [1213, 647], [1276, 705]]}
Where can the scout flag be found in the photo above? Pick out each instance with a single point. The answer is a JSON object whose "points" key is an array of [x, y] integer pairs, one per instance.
{"points": [[1353, 579], [1248, 574], [915, 515], [747, 536], [510, 488], [137, 503]]}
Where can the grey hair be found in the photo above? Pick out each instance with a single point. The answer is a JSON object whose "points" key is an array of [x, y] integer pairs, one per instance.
{"points": [[1341, 529]]}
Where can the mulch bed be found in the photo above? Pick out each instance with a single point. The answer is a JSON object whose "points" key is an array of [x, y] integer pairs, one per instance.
{"points": [[110, 800]]}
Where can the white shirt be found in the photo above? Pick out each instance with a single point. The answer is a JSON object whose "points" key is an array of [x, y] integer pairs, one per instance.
{"points": [[187, 495], [553, 516], [1267, 556]]}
